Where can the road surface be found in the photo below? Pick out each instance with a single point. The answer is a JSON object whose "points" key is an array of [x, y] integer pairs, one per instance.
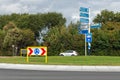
{"points": [[10, 74]]}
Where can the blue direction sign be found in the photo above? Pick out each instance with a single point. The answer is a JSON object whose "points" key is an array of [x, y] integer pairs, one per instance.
{"points": [[83, 28], [83, 9], [84, 20], [98, 25], [84, 15], [83, 31], [89, 37]]}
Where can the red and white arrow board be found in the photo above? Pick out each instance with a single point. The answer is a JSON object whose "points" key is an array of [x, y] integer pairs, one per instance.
{"points": [[37, 51]]}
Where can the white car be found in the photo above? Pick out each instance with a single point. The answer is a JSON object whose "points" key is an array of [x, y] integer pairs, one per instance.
{"points": [[69, 53]]}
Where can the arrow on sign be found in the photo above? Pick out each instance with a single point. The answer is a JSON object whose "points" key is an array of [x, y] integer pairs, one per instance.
{"points": [[43, 51], [31, 51]]}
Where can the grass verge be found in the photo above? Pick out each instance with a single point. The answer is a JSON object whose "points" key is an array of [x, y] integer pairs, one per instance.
{"points": [[61, 60]]}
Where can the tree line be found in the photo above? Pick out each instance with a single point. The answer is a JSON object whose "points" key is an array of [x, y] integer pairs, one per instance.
{"points": [[24, 30]]}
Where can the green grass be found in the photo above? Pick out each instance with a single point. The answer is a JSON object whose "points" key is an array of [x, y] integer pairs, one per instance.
{"points": [[61, 60]]}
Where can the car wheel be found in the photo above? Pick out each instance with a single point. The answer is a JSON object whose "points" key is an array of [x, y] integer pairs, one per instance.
{"points": [[61, 55], [72, 55]]}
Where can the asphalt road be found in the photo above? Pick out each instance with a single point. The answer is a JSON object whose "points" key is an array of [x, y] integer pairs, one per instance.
{"points": [[9, 74]]}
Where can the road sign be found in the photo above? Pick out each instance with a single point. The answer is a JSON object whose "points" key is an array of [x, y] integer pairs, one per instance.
{"points": [[83, 26], [42, 51], [83, 31], [84, 20], [36, 51], [86, 15], [23, 52], [89, 37], [83, 9], [98, 25]]}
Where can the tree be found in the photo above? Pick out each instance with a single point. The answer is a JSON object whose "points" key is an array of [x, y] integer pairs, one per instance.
{"points": [[19, 38], [2, 36], [28, 38], [53, 19], [9, 26], [59, 39], [35, 22], [52, 40], [106, 40], [105, 16], [39, 22]]}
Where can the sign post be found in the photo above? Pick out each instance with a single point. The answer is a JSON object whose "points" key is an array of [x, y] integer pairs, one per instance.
{"points": [[85, 23], [42, 51], [89, 40], [86, 26]]}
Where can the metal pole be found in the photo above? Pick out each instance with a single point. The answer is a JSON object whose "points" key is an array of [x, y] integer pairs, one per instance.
{"points": [[85, 46], [13, 49], [89, 22], [89, 33], [16, 51]]}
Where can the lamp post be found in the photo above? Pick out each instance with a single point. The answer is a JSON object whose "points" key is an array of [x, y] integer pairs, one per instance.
{"points": [[13, 48], [16, 48]]}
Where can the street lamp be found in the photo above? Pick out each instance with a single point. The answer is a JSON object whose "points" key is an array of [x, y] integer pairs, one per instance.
{"points": [[13, 48], [16, 48]]}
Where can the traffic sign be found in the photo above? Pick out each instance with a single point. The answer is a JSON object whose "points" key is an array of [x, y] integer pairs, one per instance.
{"points": [[23, 52], [89, 37], [83, 26], [97, 25], [83, 31], [36, 51], [84, 20], [83, 9], [84, 15], [42, 51]]}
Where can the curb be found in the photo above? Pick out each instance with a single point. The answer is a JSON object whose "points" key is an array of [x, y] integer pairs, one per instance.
{"points": [[60, 67]]}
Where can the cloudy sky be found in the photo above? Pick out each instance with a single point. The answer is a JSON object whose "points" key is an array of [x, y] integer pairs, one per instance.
{"points": [[69, 8]]}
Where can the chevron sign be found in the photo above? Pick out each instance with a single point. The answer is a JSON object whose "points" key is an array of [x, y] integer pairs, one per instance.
{"points": [[37, 51]]}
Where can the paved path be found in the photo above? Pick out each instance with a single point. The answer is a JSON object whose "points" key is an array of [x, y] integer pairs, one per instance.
{"points": [[60, 67]]}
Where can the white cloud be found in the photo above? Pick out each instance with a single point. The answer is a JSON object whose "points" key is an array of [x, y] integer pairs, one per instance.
{"points": [[93, 13], [115, 6], [13, 8], [48, 8], [75, 17], [69, 8]]}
